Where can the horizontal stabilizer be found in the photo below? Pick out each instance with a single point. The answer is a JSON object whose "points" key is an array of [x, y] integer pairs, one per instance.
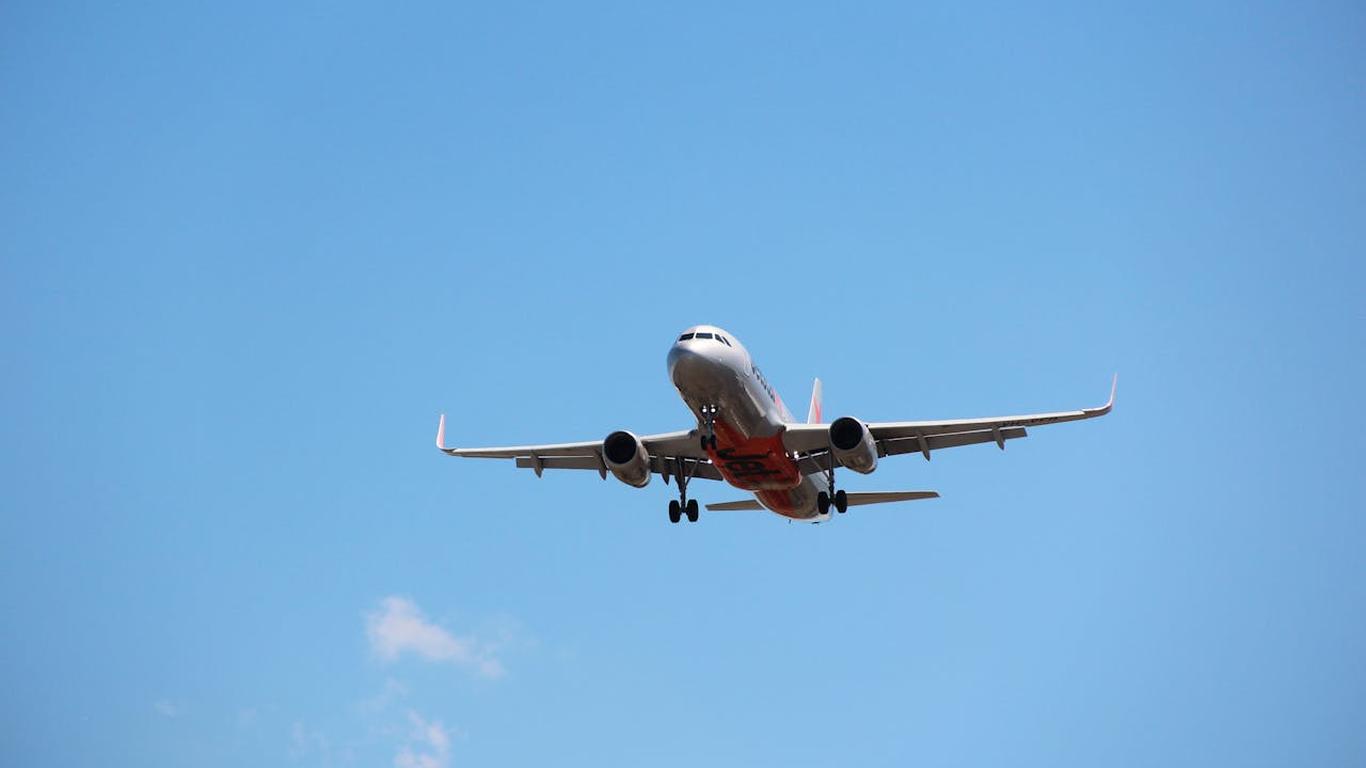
{"points": [[855, 500], [885, 497], [735, 506]]}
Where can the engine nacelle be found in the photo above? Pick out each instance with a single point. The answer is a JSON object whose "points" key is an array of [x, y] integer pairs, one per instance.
{"points": [[626, 458], [853, 445]]}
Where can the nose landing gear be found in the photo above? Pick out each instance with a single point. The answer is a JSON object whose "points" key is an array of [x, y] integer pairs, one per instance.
{"points": [[708, 439]]}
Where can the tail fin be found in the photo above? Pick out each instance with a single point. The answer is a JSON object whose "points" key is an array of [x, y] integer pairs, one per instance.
{"points": [[813, 415]]}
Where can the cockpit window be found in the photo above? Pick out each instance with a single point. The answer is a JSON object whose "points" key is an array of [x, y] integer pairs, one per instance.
{"points": [[723, 339], [685, 337], [704, 335]]}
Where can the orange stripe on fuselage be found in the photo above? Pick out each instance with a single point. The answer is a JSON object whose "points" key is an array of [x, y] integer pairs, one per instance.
{"points": [[754, 464]]}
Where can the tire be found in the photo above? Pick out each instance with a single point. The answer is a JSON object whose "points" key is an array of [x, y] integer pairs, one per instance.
{"points": [[692, 510], [675, 512], [823, 503], [712, 441], [841, 501]]}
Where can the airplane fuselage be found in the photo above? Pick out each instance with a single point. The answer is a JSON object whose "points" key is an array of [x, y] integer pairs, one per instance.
{"points": [[711, 369]]}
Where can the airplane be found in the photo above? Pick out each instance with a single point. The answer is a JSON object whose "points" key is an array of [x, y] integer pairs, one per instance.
{"points": [[746, 437]]}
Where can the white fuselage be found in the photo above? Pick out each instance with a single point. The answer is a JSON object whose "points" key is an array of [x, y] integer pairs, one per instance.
{"points": [[710, 368]]}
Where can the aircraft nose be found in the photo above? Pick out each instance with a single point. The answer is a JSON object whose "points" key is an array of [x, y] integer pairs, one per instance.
{"points": [[688, 365]]}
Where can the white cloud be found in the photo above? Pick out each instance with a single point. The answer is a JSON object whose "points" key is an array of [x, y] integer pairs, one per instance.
{"points": [[398, 627], [429, 745]]}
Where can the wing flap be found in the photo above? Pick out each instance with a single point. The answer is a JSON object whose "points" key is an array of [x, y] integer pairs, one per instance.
{"points": [[518, 451], [938, 442], [820, 461], [666, 450], [558, 462], [700, 470]]}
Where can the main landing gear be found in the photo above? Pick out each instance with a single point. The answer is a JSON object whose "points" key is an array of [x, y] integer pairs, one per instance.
{"points": [[824, 502], [840, 500], [677, 511], [708, 439], [684, 505]]}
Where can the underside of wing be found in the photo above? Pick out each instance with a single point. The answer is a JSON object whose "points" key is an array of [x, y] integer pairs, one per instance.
{"points": [[896, 437], [819, 461], [669, 454], [666, 466]]}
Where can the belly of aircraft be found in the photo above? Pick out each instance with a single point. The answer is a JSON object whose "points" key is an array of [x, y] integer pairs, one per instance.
{"points": [[798, 502], [753, 464], [748, 460]]}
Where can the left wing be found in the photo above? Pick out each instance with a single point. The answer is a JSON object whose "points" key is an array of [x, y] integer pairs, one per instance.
{"points": [[669, 452], [896, 437]]}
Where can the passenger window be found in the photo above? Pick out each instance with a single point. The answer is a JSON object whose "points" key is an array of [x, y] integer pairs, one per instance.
{"points": [[685, 337], [704, 335]]}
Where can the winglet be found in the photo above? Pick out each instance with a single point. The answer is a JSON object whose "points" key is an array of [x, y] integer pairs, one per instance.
{"points": [[1109, 404], [441, 435]]}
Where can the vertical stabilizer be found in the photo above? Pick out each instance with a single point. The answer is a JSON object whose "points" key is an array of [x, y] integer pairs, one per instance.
{"points": [[813, 415]]}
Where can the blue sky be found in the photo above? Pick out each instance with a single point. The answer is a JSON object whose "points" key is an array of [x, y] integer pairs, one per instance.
{"points": [[251, 251]]}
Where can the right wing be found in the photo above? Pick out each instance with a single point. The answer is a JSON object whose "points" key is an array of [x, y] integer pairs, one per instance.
{"points": [[896, 437], [669, 452]]}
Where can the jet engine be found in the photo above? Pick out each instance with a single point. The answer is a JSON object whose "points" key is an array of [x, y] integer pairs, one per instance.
{"points": [[853, 445], [626, 458]]}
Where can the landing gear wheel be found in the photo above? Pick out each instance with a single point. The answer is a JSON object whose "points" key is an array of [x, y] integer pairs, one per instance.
{"points": [[675, 511], [692, 510], [841, 501], [823, 503], [711, 440]]}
